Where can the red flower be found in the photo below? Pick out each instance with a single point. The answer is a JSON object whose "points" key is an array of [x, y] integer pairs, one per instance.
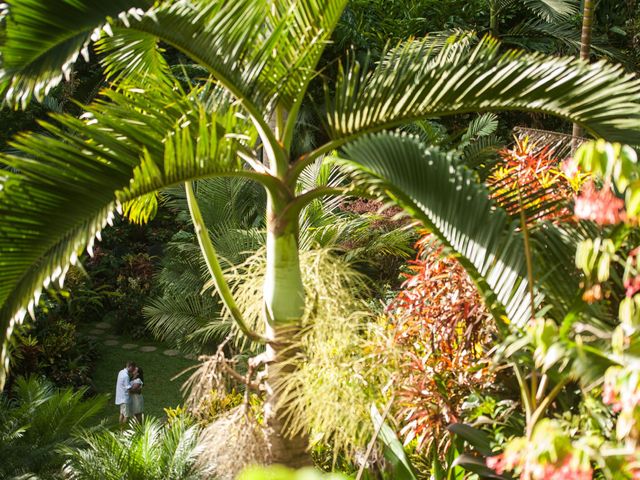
{"points": [[601, 206], [565, 470], [632, 286]]}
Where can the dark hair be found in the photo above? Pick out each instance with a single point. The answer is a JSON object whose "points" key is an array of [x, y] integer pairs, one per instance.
{"points": [[131, 364], [140, 374]]}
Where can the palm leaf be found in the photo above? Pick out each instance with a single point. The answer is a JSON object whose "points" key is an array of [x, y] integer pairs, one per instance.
{"points": [[550, 10], [413, 82], [560, 33], [429, 132], [235, 41], [178, 319], [131, 57], [42, 40], [127, 147], [455, 208], [482, 153], [481, 126]]}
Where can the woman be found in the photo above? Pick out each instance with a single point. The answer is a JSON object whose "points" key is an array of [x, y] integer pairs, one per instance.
{"points": [[136, 400]]}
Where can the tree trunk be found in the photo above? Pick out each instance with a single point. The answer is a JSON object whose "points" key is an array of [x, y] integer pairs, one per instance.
{"points": [[493, 18], [585, 46], [284, 309]]}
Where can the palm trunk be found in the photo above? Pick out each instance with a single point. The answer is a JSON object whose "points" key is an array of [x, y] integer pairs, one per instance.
{"points": [[284, 308], [585, 46], [493, 18]]}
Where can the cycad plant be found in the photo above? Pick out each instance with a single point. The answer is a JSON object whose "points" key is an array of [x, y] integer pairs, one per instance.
{"points": [[147, 450], [148, 133], [37, 422]]}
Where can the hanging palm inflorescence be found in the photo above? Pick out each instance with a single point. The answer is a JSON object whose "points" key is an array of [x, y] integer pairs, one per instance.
{"points": [[148, 133]]}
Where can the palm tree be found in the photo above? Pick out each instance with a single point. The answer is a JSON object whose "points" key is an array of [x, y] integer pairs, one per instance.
{"points": [[148, 132], [187, 316]]}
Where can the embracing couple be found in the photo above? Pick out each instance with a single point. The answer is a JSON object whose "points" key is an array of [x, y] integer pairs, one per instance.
{"points": [[129, 392]]}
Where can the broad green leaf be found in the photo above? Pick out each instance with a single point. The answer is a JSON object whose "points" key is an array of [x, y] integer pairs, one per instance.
{"points": [[477, 465], [474, 437], [393, 451]]}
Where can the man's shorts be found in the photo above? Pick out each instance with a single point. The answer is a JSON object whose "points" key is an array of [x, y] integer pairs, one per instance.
{"points": [[124, 409]]}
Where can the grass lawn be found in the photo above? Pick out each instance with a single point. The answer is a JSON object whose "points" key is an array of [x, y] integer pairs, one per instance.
{"points": [[159, 390]]}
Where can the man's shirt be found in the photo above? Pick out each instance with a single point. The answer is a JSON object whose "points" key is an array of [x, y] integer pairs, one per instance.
{"points": [[122, 387]]}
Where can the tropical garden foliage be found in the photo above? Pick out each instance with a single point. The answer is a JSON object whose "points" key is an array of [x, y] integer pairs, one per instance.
{"points": [[290, 150]]}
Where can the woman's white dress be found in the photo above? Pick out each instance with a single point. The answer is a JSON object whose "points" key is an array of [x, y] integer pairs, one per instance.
{"points": [[136, 400]]}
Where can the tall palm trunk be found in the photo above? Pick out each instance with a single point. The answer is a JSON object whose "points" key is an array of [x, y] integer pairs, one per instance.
{"points": [[493, 18], [585, 46], [284, 308]]}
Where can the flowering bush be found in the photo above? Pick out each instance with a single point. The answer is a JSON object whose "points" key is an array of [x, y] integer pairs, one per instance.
{"points": [[530, 178], [443, 330], [548, 455]]}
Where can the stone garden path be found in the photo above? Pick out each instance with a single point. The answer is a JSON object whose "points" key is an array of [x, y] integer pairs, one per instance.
{"points": [[102, 331]]}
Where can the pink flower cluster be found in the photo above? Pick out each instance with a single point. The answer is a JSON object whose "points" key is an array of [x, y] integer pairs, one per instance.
{"points": [[618, 399], [610, 395], [600, 206], [566, 469], [632, 284]]}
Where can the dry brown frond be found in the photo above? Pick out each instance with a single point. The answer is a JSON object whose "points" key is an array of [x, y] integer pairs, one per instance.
{"points": [[232, 442], [207, 378]]}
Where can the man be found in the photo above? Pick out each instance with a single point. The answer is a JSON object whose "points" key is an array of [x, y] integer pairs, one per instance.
{"points": [[122, 390]]}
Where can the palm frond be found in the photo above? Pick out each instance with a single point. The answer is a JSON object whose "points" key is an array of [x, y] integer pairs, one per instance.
{"points": [[481, 126], [456, 209], [235, 41], [561, 33], [234, 202], [147, 450], [414, 82], [429, 132], [553, 10], [482, 153], [132, 57], [38, 422], [42, 41], [127, 146], [179, 319]]}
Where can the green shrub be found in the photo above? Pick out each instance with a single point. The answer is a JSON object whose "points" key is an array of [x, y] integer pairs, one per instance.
{"points": [[146, 451], [52, 348], [37, 422]]}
